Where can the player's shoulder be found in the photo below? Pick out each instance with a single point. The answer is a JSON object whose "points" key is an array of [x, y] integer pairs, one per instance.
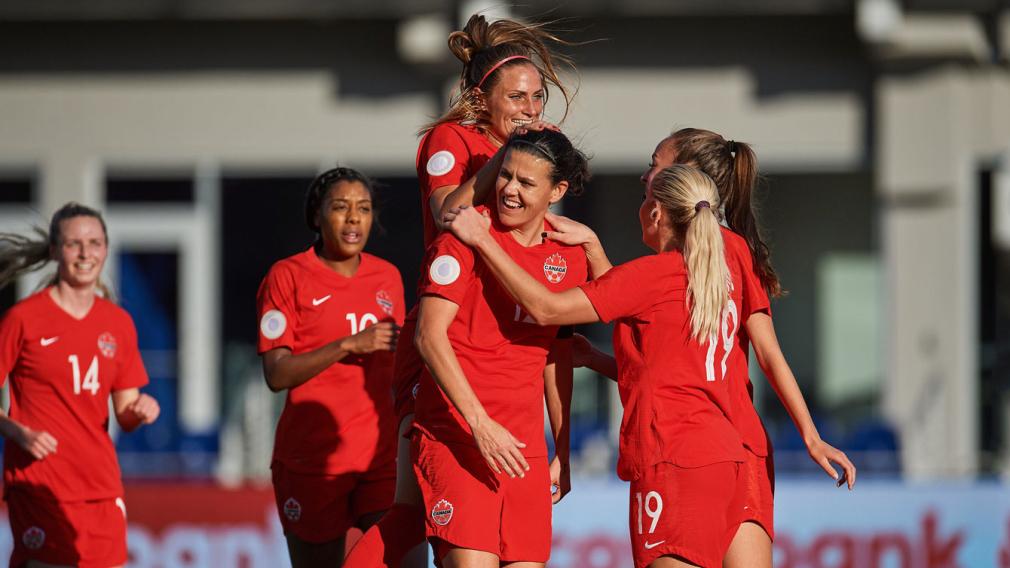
{"points": [[29, 307], [113, 310], [381, 265], [734, 243], [292, 265]]}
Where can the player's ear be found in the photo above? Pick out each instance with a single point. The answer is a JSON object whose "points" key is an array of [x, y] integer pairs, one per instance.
{"points": [[558, 191]]}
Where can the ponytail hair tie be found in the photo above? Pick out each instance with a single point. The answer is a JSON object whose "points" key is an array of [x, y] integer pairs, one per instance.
{"points": [[732, 146], [701, 204]]}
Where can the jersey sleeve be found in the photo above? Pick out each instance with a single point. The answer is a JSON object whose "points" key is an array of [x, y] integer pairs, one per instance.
{"points": [[625, 290], [448, 269], [11, 337], [276, 308], [131, 373], [443, 159], [755, 297]]}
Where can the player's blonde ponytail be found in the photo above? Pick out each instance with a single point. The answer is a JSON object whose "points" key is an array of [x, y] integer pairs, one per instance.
{"points": [[691, 199]]}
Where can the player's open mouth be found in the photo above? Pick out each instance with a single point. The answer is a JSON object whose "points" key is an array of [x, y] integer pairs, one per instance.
{"points": [[84, 266], [351, 237], [520, 122], [510, 204]]}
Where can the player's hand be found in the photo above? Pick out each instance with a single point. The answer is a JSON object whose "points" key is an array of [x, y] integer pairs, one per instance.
{"points": [[38, 443], [569, 232], [499, 447], [582, 350], [146, 408], [536, 125], [380, 336], [823, 453], [467, 225], [561, 478]]}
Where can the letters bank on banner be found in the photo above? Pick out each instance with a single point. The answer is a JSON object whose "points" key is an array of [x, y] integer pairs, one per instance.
{"points": [[878, 525]]}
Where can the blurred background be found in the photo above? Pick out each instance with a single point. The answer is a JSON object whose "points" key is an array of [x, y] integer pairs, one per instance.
{"points": [[882, 128]]}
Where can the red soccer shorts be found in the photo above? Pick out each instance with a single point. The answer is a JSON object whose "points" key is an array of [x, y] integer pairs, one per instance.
{"points": [[320, 508], [468, 505], [407, 365], [693, 513], [760, 503], [89, 534]]}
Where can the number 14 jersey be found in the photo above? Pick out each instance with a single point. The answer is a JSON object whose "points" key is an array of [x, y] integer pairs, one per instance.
{"points": [[62, 371]]}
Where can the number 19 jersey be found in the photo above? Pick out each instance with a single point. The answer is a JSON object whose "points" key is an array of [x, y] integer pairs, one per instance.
{"points": [[62, 371]]}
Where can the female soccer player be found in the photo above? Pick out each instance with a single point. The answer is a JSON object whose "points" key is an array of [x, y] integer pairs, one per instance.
{"points": [[733, 167], [329, 319], [66, 349], [502, 86], [478, 447], [677, 313]]}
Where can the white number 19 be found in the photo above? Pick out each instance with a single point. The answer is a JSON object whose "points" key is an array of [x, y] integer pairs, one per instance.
{"points": [[728, 334], [653, 514]]}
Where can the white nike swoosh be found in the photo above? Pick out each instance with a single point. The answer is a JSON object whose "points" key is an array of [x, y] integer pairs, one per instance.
{"points": [[49, 341], [316, 302], [653, 545]]}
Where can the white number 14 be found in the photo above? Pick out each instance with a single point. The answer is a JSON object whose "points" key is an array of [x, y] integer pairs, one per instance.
{"points": [[90, 378]]}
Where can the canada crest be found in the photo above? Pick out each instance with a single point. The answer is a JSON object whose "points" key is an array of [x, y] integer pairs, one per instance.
{"points": [[107, 345], [385, 301], [555, 268], [292, 509], [442, 512], [34, 538]]}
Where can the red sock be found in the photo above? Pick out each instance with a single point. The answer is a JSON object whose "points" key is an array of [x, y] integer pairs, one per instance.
{"points": [[385, 544]]}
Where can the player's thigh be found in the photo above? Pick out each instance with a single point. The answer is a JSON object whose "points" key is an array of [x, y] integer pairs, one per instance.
{"points": [[408, 492], [670, 561], [468, 558], [524, 564], [303, 554], [751, 548]]}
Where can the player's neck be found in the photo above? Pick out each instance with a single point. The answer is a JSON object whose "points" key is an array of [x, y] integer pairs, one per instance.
{"points": [[346, 267], [76, 301], [529, 236]]}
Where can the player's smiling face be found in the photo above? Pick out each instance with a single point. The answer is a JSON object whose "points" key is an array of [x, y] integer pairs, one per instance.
{"points": [[524, 191], [663, 157], [345, 219], [517, 99], [81, 251]]}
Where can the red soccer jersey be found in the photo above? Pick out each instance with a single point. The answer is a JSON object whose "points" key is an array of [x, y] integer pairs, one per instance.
{"points": [[501, 350], [677, 400], [62, 371], [342, 419], [449, 154], [755, 299]]}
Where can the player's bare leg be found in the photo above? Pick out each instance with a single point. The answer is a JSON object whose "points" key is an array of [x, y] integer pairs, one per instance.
{"points": [[408, 492], [467, 558], [329, 554], [524, 564], [396, 541], [670, 562], [751, 548]]}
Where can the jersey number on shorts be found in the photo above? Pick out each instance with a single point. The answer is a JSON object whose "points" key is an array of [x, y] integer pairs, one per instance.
{"points": [[650, 497], [728, 335], [90, 377], [356, 325]]}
